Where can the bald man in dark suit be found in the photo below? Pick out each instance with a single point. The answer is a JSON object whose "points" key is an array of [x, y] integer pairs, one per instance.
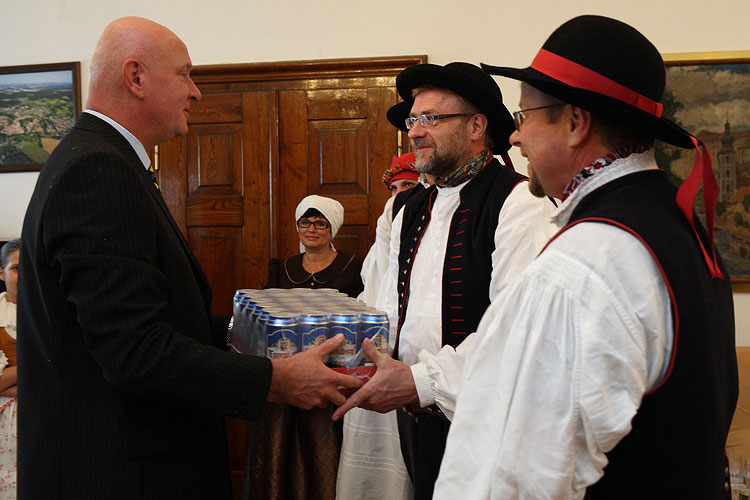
{"points": [[122, 392]]}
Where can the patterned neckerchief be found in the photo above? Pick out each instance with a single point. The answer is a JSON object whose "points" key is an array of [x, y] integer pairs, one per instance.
{"points": [[466, 171], [597, 165]]}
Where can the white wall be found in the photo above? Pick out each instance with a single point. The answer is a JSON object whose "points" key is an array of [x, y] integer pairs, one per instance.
{"points": [[231, 31]]}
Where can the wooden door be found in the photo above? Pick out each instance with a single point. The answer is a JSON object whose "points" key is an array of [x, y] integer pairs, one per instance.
{"points": [[335, 143], [263, 137]]}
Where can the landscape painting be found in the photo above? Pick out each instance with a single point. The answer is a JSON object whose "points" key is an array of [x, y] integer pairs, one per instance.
{"points": [[708, 94], [38, 105]]}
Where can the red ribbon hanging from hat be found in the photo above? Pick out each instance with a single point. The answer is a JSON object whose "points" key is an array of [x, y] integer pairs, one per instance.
{"points": [[702, 171]]}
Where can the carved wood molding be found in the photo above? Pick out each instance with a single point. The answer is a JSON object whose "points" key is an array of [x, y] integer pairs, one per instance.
{"points": [[293, 70]]}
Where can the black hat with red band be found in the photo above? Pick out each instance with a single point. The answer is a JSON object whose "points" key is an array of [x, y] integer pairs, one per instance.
{"points": [[607, 67], [611, 69]]}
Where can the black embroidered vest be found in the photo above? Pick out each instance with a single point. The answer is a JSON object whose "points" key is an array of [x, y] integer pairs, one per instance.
{"points": [[468, 258], [676, 446]]}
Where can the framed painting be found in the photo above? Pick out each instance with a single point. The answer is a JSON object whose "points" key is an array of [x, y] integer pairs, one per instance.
{"points": [[708, 94], [38, 105]]}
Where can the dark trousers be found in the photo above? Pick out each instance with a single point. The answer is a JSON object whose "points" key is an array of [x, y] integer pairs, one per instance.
{"points": [[422, 446]]}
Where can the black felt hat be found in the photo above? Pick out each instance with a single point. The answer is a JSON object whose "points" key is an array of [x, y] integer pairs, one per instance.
{"points": [[471, 83], [398, 113], [607, 67]]}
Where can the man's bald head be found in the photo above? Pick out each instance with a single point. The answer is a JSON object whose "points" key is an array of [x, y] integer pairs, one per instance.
{"points": [[140, 78], [122, 39]]}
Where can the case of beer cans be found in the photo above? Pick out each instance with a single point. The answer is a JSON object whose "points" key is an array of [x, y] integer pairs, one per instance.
{"points": [[278, 323]]}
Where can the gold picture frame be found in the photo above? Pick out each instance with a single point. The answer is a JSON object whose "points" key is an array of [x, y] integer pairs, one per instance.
{"points": [[708, 94]]}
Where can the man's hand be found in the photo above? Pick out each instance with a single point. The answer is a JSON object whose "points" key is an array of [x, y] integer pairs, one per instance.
{"points": [[303, 380], [391, 387]]}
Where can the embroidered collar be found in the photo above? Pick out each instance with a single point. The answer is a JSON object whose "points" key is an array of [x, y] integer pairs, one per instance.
{"points": [[597, 165], [635, 162], [466, 171]]}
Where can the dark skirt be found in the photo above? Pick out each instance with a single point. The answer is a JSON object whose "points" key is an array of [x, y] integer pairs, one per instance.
{"points": [[293, 455]]}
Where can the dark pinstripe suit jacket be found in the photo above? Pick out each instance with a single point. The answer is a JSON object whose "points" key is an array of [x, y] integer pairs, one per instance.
{"points": [[121, 395]]}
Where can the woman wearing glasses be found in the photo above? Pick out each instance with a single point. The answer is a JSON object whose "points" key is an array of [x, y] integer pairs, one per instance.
{"points": [[294, 453], [319, 265]]}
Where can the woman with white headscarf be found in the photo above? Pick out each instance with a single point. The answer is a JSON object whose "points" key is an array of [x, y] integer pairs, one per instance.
{"points": [[294, 453], [319, 265]]}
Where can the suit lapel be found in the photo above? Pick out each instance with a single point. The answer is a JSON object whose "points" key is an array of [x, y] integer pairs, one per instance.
{"points": [[98, 126]]}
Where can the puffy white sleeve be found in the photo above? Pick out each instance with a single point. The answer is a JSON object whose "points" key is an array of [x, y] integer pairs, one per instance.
{"points": [[561, 363], [3, 362], [375, 264], [387, 298], [523, 228]]}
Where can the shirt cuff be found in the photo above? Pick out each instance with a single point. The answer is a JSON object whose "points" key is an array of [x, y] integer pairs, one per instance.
{"points": [[423, 385]]}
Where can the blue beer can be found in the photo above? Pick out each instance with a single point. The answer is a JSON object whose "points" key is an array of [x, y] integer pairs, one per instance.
{"points": [[313, 329], [240, 332], [345, 322], [282, 335], [373, 325]]}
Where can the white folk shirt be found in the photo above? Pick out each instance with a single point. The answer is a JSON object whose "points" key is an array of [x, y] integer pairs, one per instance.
{"points": [[7, 315], [562, 361], [523, 228]]}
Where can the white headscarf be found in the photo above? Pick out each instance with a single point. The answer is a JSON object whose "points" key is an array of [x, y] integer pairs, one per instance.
{"points": [[331, 209]]}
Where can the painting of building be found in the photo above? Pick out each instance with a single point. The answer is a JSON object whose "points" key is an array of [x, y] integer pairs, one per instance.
{"points": [[711, 100]]}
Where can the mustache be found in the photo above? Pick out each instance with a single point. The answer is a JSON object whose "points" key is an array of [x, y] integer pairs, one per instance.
{"points": [[422, 142]]}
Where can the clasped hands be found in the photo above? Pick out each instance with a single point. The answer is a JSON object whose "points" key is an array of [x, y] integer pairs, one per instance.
{"points": [[304, 381], [391, 387]]}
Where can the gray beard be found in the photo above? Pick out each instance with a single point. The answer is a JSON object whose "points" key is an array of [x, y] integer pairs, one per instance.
{"points": [[442, 163], [439, 165]]}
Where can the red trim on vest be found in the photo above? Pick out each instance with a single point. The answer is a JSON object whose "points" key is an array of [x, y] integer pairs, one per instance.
{"points": [[672, 301], [581, 77]]}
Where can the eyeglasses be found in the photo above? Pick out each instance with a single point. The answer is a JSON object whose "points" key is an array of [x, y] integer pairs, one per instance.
{"points": [[319, 224], [430, 120], [520, 116]]}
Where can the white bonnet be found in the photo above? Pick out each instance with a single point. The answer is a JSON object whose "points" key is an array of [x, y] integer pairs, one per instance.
{"points": [[331, 209]]}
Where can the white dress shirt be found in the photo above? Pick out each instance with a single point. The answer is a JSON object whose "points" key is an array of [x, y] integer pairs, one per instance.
{"points": [[561, 364]]}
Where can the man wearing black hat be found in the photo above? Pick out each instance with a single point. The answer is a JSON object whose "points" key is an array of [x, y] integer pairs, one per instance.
{"points": [[454, 247], [609, 365]]}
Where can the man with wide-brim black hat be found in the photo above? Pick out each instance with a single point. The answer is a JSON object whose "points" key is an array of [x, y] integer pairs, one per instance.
{"points": [[460, 242], [609, 365]]}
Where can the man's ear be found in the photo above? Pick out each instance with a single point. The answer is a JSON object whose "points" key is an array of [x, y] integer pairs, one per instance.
{"points": [[579, 125], [479, 126], [132, 75]]}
